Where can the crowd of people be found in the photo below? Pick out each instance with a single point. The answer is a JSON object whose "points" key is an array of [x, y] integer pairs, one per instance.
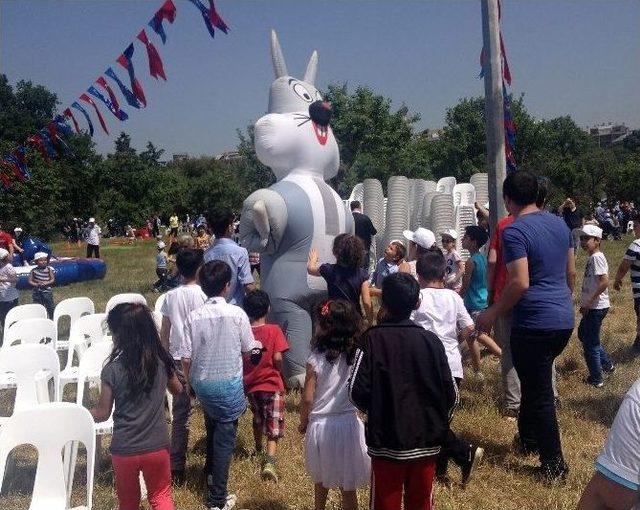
{"points": [[401, 367]]}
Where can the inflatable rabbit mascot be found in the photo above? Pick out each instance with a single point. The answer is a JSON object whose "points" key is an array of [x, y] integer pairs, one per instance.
{"points": [[300, 210]]}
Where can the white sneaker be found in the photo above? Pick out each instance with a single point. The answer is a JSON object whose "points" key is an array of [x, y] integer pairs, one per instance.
{"points": [[231, 502]]}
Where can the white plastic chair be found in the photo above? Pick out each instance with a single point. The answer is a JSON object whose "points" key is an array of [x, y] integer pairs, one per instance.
{"points": [[32, 331], [93, 359], [124, 298], [17, 313], [157, 307], [49, 428], [86, 331], [30, 367], [74, 308], [464, 194], [446, 184]]}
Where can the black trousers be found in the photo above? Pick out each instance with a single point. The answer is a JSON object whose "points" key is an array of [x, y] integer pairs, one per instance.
{"points": [[453, 448], [93, 249], [533, 352]]}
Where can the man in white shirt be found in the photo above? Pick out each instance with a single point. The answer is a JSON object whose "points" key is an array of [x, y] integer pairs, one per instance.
{"points": [[215, 337], [616, 482], [92, 235], [176, 307]]}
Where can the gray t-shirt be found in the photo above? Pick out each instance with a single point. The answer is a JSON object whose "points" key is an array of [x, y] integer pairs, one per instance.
{"points": [[139, 423]]}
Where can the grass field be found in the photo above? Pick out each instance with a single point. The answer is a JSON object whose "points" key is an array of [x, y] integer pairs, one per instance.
{"points": [[503, 481]]}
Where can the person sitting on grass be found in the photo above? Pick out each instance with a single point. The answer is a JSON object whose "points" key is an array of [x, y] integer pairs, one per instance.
{"points": [[392, 262], [402, 382], [263, 383], [214, 339], [177, 305], [136, 378], [334, 442], [631, 261], [41, 278], [594, 305], [474, 289], [346, 279], [441, 311]]}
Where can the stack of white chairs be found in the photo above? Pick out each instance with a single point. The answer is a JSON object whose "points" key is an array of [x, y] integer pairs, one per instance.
{"points": [[124, 298], [86, 331], [442, 215], [465, 216], [17, 313], [481, 184], [49, 428], [426, 208], [74, 308], [464, 194], [446, 184], [397, 211], [30, 367], [357, 193]]}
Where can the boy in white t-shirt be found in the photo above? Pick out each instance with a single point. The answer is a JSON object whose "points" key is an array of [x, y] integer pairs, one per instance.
{"points": [[455, 266], [176, 307], [442, 312], [594, 305]]}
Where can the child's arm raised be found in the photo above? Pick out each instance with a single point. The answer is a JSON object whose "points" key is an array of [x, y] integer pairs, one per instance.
{"points": [[307, 398], [312, 263], [103, 410]]}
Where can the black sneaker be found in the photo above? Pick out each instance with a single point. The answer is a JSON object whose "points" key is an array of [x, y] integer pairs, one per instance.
{"points": [[475, 456], [556, 472], [610, 369], [595, 384]]}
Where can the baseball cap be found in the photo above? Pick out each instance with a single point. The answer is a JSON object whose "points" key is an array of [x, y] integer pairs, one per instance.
{"points": [[17, 229], [3, 254], [451, 232], [161, 245], [422, 236], [92, 220], [40, 255], [591, 231]]}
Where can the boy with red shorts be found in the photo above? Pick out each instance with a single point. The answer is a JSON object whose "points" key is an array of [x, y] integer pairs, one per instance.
{"points": [[263, 383]]}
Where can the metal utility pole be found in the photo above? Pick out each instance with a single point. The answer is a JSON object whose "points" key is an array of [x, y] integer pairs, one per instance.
{"points": [[493, 109]]}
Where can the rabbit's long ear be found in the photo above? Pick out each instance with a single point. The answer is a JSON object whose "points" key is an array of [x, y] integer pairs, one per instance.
{"points": [[312, 67], [279, 65]]}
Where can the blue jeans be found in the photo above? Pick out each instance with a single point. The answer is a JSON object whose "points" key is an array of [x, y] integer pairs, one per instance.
{"points": [[221, 442], [589, 334], [44, 298]]}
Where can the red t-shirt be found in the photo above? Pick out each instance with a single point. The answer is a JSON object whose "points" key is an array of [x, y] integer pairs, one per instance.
{"points": [[265, 376], [5, 240], [500, 274]]}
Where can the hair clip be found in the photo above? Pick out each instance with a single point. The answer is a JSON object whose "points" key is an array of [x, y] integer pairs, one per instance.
{"points": [[324, 311]]}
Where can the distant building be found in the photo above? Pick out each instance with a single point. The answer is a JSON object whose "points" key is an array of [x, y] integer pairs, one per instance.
{"points": [[431, 135], [228, 156], [180, 157], [606, 135]]}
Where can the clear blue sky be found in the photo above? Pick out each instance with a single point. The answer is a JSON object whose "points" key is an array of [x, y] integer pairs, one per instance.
{"points": [[578, 58]]}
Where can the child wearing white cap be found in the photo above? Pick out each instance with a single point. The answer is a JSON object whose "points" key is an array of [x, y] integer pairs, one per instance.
{"points": [[41, 278], [161, 268], [8, 292], [455, 266], [594, 305], [421, 241], [92, 235]]}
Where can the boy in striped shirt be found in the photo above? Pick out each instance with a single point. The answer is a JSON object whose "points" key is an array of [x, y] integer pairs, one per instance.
{"points": [[631, 260], [41, 278]]}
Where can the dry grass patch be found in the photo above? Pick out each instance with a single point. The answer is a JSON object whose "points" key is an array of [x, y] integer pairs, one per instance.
{"points": [[503, 480]]}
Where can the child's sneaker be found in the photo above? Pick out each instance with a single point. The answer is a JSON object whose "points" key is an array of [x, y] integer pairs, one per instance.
{"points": [[610, 369], [231, 503], [269, 472], [595, 384]]}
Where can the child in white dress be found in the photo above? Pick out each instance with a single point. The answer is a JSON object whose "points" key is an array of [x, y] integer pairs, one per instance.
{"points": [[335, 449]]}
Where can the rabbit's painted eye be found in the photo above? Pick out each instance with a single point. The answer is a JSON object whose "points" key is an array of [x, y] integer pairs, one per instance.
{"points": [[299, 89]]}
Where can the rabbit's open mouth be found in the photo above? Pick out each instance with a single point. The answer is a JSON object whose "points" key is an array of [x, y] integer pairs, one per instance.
{"points": [[322, 132]]}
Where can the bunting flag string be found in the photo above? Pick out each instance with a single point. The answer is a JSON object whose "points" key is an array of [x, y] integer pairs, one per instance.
{"points": [[125, 61], [87, 99], [117, 112], [50, 140], [77, 106], [69, 114], [155, 63], [129, 96], [210, 17], [168, 12]]}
